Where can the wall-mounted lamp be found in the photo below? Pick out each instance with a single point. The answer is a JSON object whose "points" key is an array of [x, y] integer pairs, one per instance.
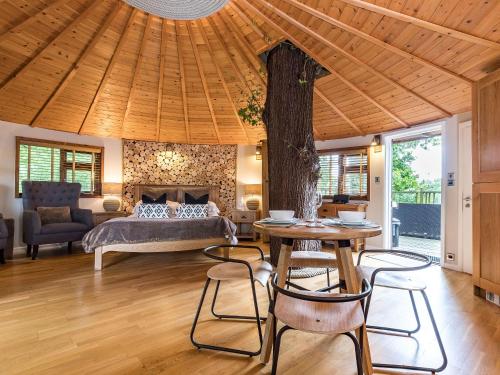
{"points": [[258, 151], [377, 143]]}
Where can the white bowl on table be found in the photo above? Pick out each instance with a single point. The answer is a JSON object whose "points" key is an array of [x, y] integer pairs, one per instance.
{"points": [[281, 214], [352, 216]]}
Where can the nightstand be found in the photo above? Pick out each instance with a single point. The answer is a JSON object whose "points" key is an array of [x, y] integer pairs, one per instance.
{"points": [[101, 217], [244, 220]]}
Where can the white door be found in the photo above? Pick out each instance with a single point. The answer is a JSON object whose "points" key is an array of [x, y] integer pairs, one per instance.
{"points": [[465, 152]]}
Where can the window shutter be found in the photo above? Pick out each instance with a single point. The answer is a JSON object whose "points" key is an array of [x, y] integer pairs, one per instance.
{"points": [[39, 160], [344, 172]]}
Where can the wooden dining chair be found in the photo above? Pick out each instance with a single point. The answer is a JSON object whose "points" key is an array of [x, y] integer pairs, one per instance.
{"points": [[392, 277], [234, 269], [312, 259], [319, 312]]}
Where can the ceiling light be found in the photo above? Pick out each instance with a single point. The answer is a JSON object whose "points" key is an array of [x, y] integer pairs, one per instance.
{"points": [[179, 9]]}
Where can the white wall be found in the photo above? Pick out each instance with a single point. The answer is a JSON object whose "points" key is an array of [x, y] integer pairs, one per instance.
{"points": [[248, 171], [11, 206]]}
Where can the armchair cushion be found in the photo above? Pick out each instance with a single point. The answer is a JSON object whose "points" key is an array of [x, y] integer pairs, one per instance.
{"points": [[52, 215], [56, 228], [4, 233], [83, 216], [32, 225]]}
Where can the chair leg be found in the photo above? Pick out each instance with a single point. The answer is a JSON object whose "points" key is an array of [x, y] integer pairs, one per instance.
{"points": [[398, 330], [257, 316], [227, 316], [70, 247], [28, 250], [34, 255], [357, 349], [289, 278], [2, 256], [276, 348], [440, 343], [328, 277], [222, 348]]}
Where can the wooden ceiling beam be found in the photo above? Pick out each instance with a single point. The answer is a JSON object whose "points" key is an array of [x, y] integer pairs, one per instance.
{"points": [[23, 68], [322, 96], [351, 57], [222, 79], [326, 65], [203, 79], [163, 57], [225, 47], [30, 19], [136, 71], [77, 64], [387, 46], [424, 24], [182, 73], [109, 68]]}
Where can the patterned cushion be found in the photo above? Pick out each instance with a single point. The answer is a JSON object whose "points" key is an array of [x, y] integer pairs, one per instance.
{"points": [[153, 211], [192, 211]]}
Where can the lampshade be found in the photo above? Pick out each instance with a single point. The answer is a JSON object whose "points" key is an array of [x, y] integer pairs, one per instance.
{"points": [[179, 9], [111, 188], [253, 189]]}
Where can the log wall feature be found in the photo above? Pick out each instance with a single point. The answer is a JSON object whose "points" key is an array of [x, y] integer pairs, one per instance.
{"points": [[148, 163], [104, 68]]}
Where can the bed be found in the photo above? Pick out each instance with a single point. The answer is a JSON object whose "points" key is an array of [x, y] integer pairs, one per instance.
{"points": [[133, 234]]}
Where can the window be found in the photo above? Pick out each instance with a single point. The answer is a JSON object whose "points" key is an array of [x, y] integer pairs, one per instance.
{"points": [[40, 160], [345, 171]]}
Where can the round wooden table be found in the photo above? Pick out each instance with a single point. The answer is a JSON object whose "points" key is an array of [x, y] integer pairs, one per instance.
{"points": [[347, 272]]}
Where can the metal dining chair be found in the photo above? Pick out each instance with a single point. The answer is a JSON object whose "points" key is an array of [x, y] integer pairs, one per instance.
{"points": [[319, 312], [234, 269], [391, 277], [312, 259]]}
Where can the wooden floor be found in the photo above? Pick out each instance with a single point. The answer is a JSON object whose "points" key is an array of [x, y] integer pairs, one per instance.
{"points": [[58, 316]]}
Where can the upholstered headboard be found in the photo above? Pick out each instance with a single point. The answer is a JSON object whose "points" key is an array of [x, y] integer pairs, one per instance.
{"points": [[176, 192]]}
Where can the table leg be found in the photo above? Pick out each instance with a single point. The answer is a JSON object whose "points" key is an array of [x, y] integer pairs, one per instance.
{"points": [[281, 270], [347, 272]]}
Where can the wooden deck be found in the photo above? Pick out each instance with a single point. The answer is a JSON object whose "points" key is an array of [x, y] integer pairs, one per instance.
{"points": [[58, 316]]}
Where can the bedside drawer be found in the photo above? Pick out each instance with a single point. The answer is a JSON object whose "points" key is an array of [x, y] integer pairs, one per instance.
{"points": [[244, 216]]}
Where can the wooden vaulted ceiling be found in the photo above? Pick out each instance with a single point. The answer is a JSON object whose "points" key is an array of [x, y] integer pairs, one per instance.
{"points": [[101, 67]]}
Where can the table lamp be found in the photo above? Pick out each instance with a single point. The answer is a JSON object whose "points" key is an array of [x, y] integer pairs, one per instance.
{"points": [[253, 191], [112, 192]]}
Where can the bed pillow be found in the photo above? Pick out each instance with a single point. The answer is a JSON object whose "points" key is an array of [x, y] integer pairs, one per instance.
{"points": [[189, 199], [213, 210], [162, 199], [192, 211], [153, 211]]}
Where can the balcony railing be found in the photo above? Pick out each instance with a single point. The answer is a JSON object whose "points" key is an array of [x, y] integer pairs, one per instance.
{"points": [[417, 197]]}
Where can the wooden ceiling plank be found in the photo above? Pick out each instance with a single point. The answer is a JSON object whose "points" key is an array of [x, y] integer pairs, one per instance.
{"points": [[250, 23], [163, 56], [203, 79], [27, 21], [136, 71], [222, 79], [23, 68], [77, 64], [387, 46], [351, 57], [183, 83], [326, 65], [109, 68], [338, 111], [225, 47], [424, 24]]}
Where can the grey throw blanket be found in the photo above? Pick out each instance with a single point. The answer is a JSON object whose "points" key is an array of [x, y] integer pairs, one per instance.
{"points": [[134, 230]]}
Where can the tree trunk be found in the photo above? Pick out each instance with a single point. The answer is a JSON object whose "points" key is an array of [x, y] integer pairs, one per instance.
{"points": [[293, 160]]}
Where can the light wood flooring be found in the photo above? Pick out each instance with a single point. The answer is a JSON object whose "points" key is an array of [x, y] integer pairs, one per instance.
{"points": [[58, 316]]}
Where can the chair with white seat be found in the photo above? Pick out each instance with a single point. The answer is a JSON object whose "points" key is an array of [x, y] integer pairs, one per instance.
{"points": [[393, 278], [234, 269], [319, 312]]}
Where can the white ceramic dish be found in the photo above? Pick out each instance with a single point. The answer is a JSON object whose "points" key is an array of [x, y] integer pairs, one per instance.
{"points": [[281, 214], [352, 217]]}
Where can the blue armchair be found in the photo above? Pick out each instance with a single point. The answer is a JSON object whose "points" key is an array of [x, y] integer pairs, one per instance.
{"points": [[52, 194]]}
